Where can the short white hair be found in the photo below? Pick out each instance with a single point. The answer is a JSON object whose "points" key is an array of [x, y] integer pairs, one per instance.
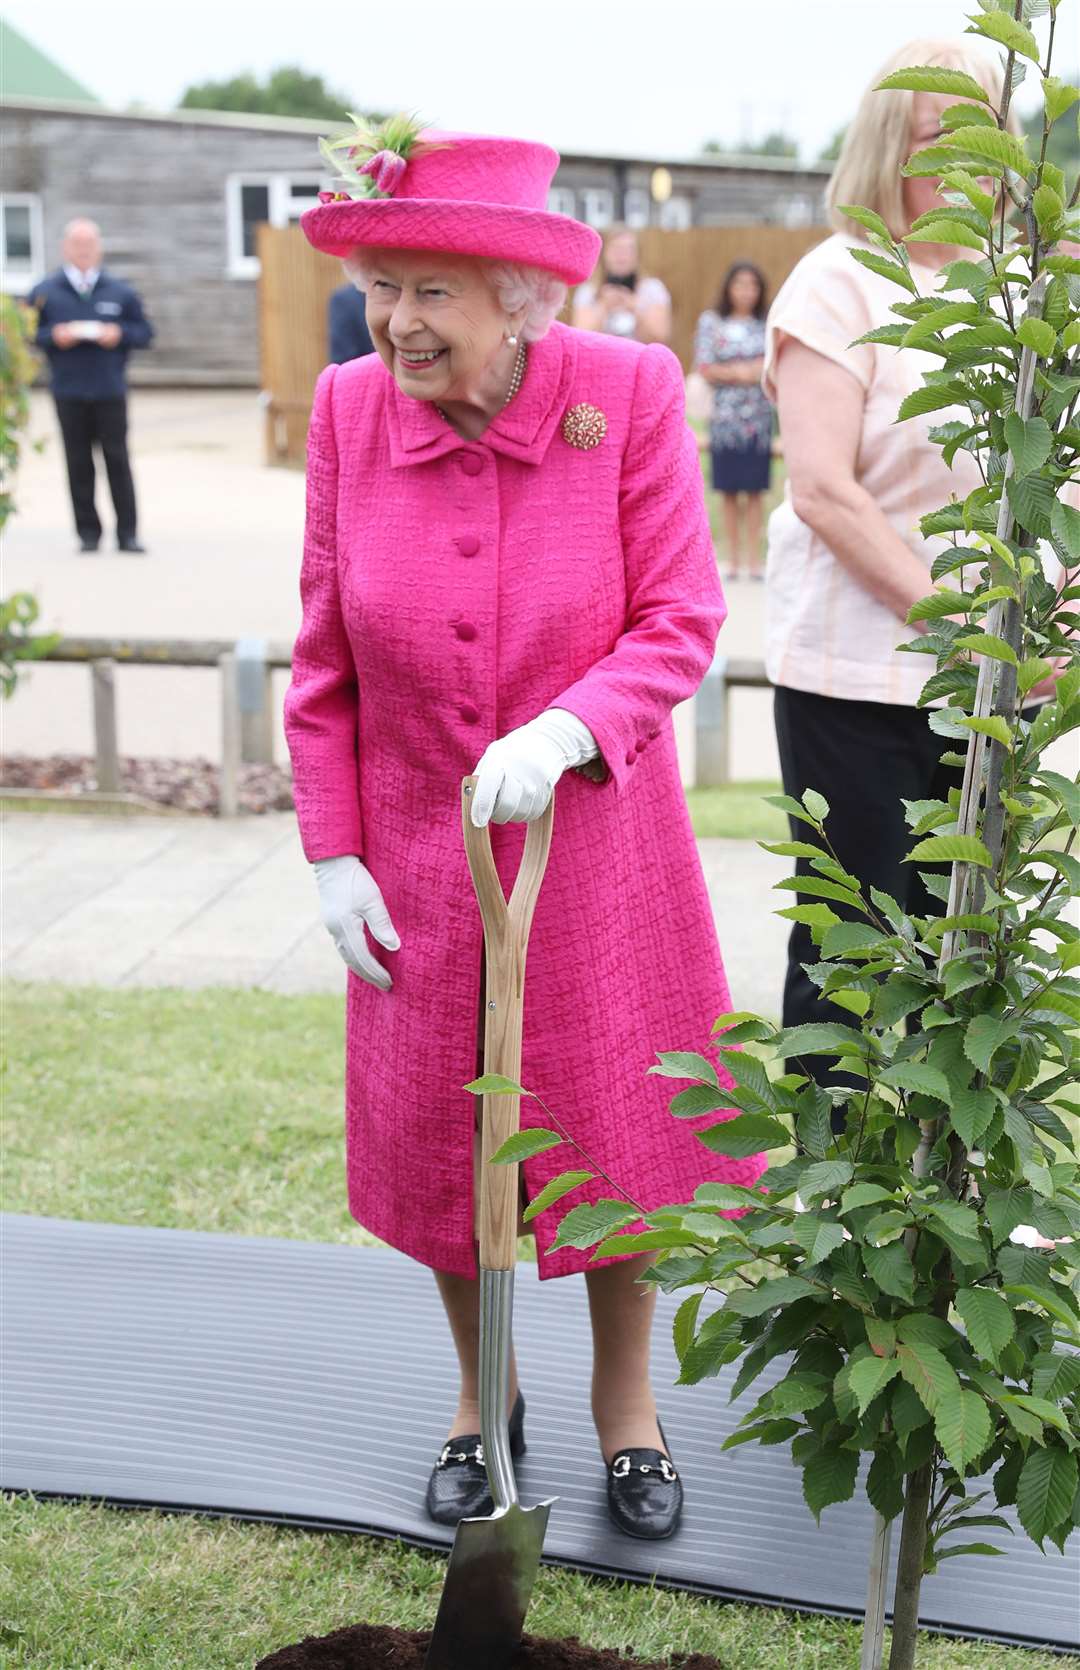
{"points": [[516, 286]]}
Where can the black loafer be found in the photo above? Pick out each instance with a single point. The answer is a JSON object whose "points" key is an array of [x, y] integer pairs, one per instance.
{"points": [[131, 547], [458, 1487], [88, 546], [645, 1493]]}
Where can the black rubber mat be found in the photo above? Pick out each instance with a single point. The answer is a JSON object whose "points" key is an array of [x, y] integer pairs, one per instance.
{"points": [[235, 1375]]}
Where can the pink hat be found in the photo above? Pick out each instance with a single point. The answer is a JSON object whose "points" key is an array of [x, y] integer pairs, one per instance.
{"points": [[465, 193]]}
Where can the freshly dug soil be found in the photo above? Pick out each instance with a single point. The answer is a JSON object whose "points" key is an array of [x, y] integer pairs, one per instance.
{"points": [[188, 785], [376, 1647]]}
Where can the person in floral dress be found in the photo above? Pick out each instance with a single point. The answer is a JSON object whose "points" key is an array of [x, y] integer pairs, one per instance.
{"points": [[729, 353]]}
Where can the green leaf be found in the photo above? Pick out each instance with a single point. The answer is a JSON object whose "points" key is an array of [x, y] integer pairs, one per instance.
{"points": [[817, 1236], [1030, 442], [934, 397], [755, 1301], [585, 1226], [924, 1328], [951, 849], [682, 1064], [928, 324], [992, 726], [1065, 528], [1032, 498], [900, 994], [1037, 335], [798, 1393], [726, 1197], [818, 1038], [871, 1376], [648, 1240], [971, 1113], [816, 804], [946, 231], [555, 1190], [891, 1268], [1048, 209], [984, 1036], [932, 78], [985, 643], [494, 1084], [826, 1177], [685, 1323], [885, 1486], [1008, 32], [523, 1145], [963, 1426], [748, 1133], [958, 179], [987, 1318], [1054, 1376], [863, 1194], [1045, 1491], [1058, 96], [815, 916], [885, 268], [817, 887], [881, 1334], [990, 144], [829, 1476], [1032, 672], [866, 218], [698, 1100], [929, 1374], [917, 1076]]}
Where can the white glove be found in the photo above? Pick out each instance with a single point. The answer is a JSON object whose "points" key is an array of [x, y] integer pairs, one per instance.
{"points": [[350, 900], [516, 774]]}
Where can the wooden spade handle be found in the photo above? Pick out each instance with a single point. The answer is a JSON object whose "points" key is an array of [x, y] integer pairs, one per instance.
{"points": [[506, 940]]}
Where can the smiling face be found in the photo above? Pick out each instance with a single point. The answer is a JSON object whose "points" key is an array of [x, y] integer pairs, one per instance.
{"points": [[436, 324]]}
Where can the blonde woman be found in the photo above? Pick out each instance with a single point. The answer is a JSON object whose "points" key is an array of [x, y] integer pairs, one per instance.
{"points": [[846, 559], [624, 301]]}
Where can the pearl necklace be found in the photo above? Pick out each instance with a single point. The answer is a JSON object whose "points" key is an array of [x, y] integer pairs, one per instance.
{"points": [[517, 377]]}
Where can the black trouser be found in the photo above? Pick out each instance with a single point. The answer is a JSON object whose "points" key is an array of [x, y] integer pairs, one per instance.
{"points": [[863, 757], [82, 422]]}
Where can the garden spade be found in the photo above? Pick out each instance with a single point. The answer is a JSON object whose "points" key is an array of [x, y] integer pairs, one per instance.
{"points": [[494, 1561]]}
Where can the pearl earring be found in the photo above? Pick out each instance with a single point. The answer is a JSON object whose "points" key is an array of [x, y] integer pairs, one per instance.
{"points": [[511, 341]]}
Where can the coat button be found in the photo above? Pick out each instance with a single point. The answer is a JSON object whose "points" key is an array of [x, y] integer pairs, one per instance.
{"points": [[631, 756], [653, 735], [640, 745], [468, 545], [471, 463], [465, 631], [469, 714]]}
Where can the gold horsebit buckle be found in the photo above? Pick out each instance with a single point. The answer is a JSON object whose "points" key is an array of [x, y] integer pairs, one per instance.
{"points": [[623, 1467]]}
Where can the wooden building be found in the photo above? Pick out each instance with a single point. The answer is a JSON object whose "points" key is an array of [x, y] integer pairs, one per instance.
{"points": [[179, 195]]}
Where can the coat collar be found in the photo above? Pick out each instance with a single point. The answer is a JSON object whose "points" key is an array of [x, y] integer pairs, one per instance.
{"points": [[522, 430]]}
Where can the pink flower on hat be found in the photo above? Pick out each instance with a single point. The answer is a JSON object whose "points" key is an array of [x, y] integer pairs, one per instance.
{"points": [[386, 169]]}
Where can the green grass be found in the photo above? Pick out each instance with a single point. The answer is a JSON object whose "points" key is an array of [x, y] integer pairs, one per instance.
{"points": [[737, 812], [88, 1588], [221, 1110]]}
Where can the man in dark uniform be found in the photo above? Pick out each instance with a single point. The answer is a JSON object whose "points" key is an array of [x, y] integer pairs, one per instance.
{"points": [[88, 321], [350, 338]]}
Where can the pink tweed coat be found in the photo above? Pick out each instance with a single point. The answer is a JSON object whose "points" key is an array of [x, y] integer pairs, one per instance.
{"points": [[451, 590]]}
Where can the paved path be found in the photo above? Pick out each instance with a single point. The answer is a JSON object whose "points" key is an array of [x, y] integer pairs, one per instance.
{"points": [[224, 533], [163, 901]]}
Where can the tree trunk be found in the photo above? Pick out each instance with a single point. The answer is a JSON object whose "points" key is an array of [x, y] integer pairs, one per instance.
{"points": [[909, 1571]]}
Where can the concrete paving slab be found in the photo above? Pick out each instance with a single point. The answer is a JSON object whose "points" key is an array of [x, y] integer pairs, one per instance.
{"points": [[197, 902]]}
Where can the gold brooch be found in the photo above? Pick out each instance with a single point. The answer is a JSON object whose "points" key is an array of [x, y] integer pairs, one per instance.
{"points": [[584, 426]]}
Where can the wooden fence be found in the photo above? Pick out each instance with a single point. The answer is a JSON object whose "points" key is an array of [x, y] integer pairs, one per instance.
{"points": [[245, 667], [296, 282]]}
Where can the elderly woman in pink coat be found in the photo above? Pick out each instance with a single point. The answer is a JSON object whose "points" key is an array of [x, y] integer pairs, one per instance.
{"points": [[507, 570]]}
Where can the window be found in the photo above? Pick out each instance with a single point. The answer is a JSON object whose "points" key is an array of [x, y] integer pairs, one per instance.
{"points": [[637, 206], [253, 200], [22, 251], [562, 201], [677, 214], [599, 206]]}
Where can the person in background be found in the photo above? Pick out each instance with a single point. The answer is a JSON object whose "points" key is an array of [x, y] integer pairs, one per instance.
{"points": [[622, 300], [729, 350], [349, 336], [846, 559], [88, 322]]}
